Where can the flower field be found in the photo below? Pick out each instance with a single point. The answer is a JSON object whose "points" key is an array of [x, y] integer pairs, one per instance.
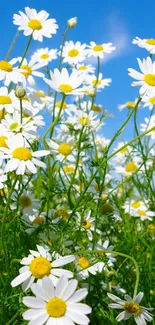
{"points": [[77, 208]]}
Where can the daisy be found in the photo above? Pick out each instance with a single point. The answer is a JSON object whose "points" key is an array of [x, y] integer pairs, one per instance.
{"points": [[81, 119], [12, 123], [85, 68], [73, 53], [100, 83], [35, 23], [143, 213], [130, 168], [58, 305], [72, 22], [38, 265], [7, 100], [20, 156], [87, 224], [44, 56], [8, 73], [149, 99], [105, 246], [129, 105], [101, 143], [149, 123], [64, 83], [131, 307], [98, 50], [27, 202], [62, 150], [148, 44], [122, 154], [84, 267], [29, 70], [130, 206], [146, 79], [39, 98]]}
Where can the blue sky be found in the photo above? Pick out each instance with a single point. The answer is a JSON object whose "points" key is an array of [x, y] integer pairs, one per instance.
{"points": [[115, 21]]}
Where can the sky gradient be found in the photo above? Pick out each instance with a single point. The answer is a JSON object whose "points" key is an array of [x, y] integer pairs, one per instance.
{"points": [[117, 21]]}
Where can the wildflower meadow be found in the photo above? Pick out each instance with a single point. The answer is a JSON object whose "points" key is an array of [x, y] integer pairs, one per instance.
{"points": [[77, 208]]}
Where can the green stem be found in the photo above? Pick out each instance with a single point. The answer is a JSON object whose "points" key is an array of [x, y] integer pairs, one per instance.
{"points": [[62, 46], [21, 111], [26, 50], [12, 46], [51, 127], [4, 221], [13, 318]]}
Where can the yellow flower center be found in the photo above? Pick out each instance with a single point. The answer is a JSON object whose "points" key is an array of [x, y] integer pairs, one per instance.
{"points": [[27, 71], [65, 88], [84, 120], [98, 48], [152, 100], [40, 94], [86, 224], [3, 138], [22, 153], [56, 307], [35, 24], [83, 262], [100, 253], [123, 150], [96, 82], [40, 267], [63, 214], [72, 53], [68, 169], [5, 100], [5, 66], [150, 41], [14, 126], [25, 201], [38, 221], [82, 67], [150, 79], [130, 104], [64, 149], [131, 167], [151, 226], [96, 108], [44, 56], [135, 204], [132, 308], [58, 104], [141, 213]]}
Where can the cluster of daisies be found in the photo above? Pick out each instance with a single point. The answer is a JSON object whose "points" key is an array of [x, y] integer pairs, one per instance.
{"points": [[44, 180]]}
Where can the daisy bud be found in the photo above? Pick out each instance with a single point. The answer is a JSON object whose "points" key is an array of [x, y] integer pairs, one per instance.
{"points": [[92, 92], [20, 92], [72, 22]]}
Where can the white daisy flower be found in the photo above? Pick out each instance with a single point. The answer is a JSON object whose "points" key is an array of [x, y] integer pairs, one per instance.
{"points": [[111, 258], [98, 50], [12, 123], [72, 22], [130, 206], [61, 150], [84, 267], [81, 119], [29, 70], [62, 82], [73, 53], [100, 83], [35, 23], [58, 305], [88, 224], [149, 123], [44, 56], [8, 73], [38, 265], [85, 68], [148, 44], [143, 214], [7, 100], [101, 143], [20, 156], [146, 78], [129, 105], [149, 99], [131, 307], [130, 168]]}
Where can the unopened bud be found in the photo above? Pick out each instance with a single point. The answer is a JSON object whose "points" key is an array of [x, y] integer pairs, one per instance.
{"points": [[20, 92], [92, 92], [72, 22]]}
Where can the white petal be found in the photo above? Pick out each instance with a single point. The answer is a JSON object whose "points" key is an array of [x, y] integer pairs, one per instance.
{"points": [[20, 278], [40, 320], [139, 297], [39, 292], [81, 308], [70, 289], [120, 316], [77, 318], [32, 313], [34, 302], [63, 261], [78, 296]]}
